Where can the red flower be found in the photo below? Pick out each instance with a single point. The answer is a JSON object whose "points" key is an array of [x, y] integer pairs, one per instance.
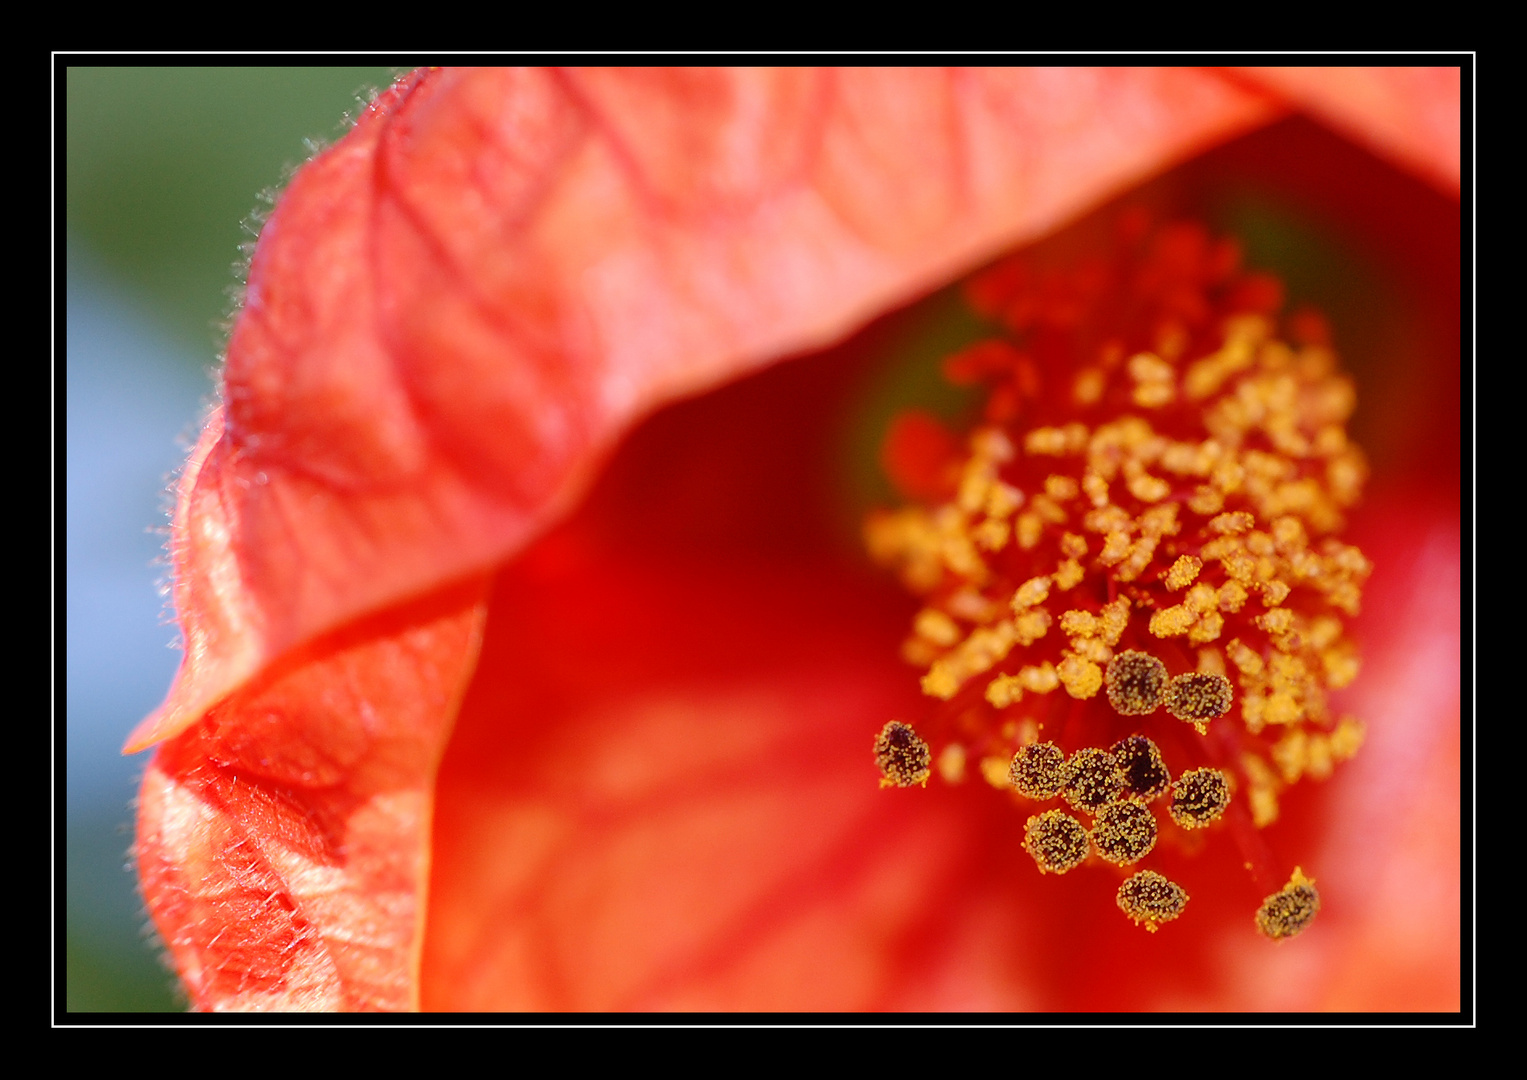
{"points": [[479, 713]]}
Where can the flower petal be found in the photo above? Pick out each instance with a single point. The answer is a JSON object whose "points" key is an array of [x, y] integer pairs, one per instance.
{"points": [[454, 313], [451, 318], [284, 843], [1411, 115]]}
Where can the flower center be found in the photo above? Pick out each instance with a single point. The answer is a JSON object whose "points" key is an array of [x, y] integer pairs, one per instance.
{"points": [[1132, 590]]}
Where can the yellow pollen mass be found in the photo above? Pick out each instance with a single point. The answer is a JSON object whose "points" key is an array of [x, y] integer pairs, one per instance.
{"points": [[1168, 492]]}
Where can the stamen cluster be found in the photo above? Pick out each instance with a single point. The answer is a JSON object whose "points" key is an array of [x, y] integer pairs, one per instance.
{"points": [[1143, 525]]}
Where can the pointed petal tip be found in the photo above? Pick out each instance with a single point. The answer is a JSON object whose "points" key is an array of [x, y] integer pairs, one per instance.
{"points": [[161, 724]]}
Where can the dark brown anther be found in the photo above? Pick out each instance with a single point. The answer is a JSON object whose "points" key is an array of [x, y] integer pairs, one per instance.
{"points": [[1057, 841], [1095, 781], [1199, 798], [1039, 771], [1291, 909], [1199, 697], [1151, 899], [1136, 683], [1145, 774], [1124, 832], [901, 756]]}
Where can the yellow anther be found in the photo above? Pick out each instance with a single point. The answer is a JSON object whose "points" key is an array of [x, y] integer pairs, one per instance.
{"points": [[975, 485], [1115, 548], [1347, 738], [1148, 488], [1091, 648], [1040, 679], [1031, 625], [1211, 661], [1207, 629], [1341, 667], [1003, 691], [1089, 386], [1231, 597], [1277, 621], [1201, 598], [1172, 621], [992, 444], [971, 606], [1033, 591], [1274, 592], [1081, 677], [994, 771], [1079, 623], [1183, 572], [1262, 793], [1109, 519], [1029, 528], [1096, 488], [1114, 618], [1155, 381], [940, 682], [990, 535], [1068, 575], [1060, 487], [1140, 554], [1002, 500], [1288, 534], [936, 627], [1160, 521], [1231, 524], [1206, 500], [951, 763]]}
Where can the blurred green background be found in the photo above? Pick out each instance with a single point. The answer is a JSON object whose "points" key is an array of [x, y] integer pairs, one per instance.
{"points": [[163, 164], [161, 167]]}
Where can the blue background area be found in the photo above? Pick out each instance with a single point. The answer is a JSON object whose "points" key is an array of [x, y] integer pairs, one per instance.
{"points": [[161, 167]]}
